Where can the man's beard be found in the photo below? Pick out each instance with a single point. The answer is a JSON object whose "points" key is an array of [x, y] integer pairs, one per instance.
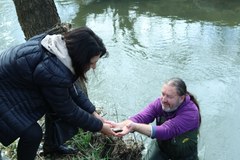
{"points": [[167, 108]]}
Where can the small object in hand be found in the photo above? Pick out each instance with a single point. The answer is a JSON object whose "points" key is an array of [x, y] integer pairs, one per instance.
{"points": [[116, 130]]}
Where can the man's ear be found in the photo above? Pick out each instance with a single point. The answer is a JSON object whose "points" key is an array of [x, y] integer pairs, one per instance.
{"points": [[182, 98]]}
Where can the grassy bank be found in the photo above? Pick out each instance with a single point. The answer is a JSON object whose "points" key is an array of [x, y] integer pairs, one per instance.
{"points": [[91, 146]]}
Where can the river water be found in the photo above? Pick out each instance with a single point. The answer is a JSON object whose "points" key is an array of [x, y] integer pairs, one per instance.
{"points": [[151, 41]]}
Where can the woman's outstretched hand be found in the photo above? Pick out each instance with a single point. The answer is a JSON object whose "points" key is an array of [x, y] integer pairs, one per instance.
{"points": [[107, 130]]}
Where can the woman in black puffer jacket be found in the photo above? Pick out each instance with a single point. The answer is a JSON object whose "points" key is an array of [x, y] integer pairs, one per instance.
{"points": [[37, 77]]}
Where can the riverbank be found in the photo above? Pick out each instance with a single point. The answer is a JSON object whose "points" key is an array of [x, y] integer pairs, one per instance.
{"points": [[90, 146], [98, 146]]}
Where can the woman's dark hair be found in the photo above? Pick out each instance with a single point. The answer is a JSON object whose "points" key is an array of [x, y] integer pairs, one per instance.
{"points": [[82, 45], [181, 88]]}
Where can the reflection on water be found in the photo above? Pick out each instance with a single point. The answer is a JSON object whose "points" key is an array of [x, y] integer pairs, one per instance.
{"points": [[215, 11], [150, 41]]}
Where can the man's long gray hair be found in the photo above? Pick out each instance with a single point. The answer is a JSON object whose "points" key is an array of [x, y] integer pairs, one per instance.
{"points": [[181, 88], [179, 84]]}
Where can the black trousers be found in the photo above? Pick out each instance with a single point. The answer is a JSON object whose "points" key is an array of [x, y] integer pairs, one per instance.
{"points": [[29, 142]]}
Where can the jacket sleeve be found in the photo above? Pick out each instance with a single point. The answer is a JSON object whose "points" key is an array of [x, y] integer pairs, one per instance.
{"points": [[62, 103], [81, 99], [147, 114]]}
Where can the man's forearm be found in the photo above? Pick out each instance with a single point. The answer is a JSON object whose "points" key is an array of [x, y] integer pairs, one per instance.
{"points": [[145, 129]]}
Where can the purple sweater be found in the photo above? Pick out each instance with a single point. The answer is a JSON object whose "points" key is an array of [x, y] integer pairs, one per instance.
{"points": [[184, 119]]}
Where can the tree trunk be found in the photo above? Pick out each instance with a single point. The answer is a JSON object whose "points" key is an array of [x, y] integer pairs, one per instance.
{"points": [[36, 16]]}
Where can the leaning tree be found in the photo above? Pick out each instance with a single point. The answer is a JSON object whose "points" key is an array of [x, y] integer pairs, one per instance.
{"points": [[36, 16]]}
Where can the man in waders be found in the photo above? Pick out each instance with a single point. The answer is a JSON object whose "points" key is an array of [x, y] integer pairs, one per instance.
{"points": [[178, 120]]}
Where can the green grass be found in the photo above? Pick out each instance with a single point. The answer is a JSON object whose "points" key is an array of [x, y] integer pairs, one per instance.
{"points": [[91, 146]]}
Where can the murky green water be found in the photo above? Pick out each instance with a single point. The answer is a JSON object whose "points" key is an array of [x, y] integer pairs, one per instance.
{"points": [[150, 41]]}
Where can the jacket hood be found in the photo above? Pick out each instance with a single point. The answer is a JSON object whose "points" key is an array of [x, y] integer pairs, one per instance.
{"points": [[57, 46]]}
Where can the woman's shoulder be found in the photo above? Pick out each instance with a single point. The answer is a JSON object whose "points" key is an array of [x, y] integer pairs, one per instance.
{"points": [[50, 71]]}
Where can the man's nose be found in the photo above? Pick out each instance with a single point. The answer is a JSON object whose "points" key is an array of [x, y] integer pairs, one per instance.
{"points": [[164, 98]]}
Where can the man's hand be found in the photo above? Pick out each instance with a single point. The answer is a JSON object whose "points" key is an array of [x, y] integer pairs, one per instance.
{"points": [[121, 128], [127, 128]]}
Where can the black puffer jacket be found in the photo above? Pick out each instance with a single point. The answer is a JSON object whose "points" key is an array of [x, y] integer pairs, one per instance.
{"points": [[33, 81]]}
